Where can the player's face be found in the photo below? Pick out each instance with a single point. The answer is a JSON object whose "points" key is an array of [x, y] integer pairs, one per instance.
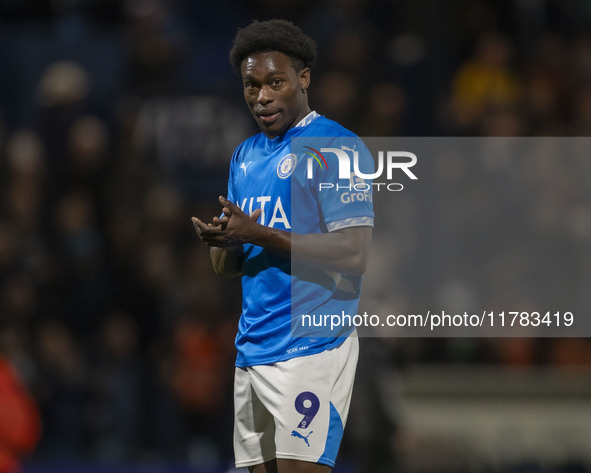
{"points": [[275, 92]]}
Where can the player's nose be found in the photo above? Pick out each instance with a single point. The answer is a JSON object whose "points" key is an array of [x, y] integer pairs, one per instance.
{"points": [[265, 95]]}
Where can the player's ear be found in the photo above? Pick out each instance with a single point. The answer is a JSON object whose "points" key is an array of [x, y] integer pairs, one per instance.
{"points": [[304, 76]]}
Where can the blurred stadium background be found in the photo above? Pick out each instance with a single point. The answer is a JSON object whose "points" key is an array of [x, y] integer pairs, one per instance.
{"points": [[117, 123]]}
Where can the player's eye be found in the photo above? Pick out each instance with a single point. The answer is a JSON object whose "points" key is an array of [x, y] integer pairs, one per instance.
{"points": [[277, 82]]}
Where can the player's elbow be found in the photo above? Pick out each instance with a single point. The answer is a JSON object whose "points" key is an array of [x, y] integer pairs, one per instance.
{"points": [[226, 263], [357, 264], [356, 244]]}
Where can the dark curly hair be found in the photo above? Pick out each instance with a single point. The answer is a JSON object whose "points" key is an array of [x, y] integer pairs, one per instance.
{"points": [[273, 35]]}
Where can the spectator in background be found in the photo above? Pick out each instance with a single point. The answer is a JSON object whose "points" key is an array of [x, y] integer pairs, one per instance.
{"points": [[26, 181], [62, 392], [80, 247], [549, 81], [118, 389], [202, 378], [155, 47], [62, 96], [384, 112], [485, 80], [88, 156], [20, 426], [337, 97]]}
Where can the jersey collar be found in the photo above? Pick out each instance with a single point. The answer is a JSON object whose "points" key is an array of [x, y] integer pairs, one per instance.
{"points": [[307, 119]]}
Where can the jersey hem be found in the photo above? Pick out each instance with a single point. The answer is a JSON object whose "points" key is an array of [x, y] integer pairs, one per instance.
{"points": [[283, 456], [292, 456], [314, 351], [258, 461]]}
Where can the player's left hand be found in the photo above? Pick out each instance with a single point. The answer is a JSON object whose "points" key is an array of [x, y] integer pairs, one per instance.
{"points": [[233, 228]]}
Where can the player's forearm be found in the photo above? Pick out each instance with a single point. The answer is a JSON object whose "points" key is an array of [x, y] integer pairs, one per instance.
{"points": [[344, 251], [227, 262]]}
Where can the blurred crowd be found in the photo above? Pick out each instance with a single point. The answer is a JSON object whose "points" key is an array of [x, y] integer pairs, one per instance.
{"points": [[117, 123]]}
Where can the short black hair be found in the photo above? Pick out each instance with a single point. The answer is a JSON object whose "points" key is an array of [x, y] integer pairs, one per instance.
{"points": [[273, 35]]}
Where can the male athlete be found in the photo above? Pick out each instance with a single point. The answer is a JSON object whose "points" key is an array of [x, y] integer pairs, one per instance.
{"points": [[292, 393]]}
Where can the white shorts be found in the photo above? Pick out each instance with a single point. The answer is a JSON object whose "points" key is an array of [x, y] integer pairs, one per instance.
{"points": [[294, 409]]}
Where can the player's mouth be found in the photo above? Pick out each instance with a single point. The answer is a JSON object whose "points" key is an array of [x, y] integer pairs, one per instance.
{"points": [[268, 116]]}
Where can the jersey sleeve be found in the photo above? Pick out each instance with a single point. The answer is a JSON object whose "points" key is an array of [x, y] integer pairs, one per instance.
{"points": [[346, 202], [231, 195]]}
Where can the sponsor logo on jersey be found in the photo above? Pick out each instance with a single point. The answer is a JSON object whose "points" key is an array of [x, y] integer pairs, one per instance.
{"points": [[265, 202]]}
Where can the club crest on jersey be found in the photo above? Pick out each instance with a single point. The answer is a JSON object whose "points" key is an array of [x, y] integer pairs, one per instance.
{"points": [[286, 165]]}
